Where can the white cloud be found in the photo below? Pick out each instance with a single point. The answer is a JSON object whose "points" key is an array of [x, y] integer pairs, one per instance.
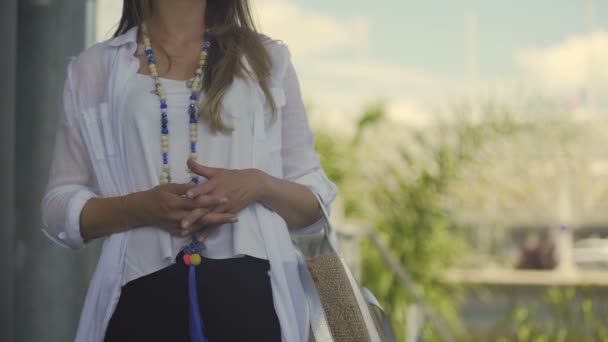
{"points": [[311, 33], [349, 86], [573, 63], [340, 88]]}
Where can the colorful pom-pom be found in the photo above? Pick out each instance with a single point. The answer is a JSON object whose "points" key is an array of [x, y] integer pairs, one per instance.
{"points": [[187, 259], [195, 259]]}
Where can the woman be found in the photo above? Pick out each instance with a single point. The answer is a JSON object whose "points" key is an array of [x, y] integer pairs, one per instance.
{"points": [[187, 129]]}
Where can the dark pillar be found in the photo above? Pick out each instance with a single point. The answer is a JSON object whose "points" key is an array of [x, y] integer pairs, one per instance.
{"points": [[8, 37], [50, 281]]}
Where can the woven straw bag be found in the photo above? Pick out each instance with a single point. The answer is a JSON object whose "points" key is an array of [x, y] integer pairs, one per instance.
{"points": [[340, 310]]}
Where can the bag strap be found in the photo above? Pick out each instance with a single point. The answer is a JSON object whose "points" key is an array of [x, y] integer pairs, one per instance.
{"points": [[361, 300], [327, 227], [319, 326]]}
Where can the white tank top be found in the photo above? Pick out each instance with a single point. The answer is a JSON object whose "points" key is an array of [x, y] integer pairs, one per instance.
{"points": [[150, 249]]}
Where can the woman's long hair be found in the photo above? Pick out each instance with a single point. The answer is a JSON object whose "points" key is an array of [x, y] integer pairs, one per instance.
{"points": [[233, 35]]}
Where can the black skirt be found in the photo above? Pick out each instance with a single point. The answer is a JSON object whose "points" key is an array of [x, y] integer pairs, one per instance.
{"points": [[235, 298]]}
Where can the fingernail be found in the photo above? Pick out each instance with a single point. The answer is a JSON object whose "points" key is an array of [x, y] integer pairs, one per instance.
{"points": [[223, 200], [185, 224], [234, 219], [189, 194]]}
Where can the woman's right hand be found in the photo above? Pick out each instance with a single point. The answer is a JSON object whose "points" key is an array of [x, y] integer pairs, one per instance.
{"points": [[166, 206]]}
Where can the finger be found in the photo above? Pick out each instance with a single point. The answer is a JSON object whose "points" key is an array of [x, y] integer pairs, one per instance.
{"points": [[201, 189], [207, 201], [183, 203], [217, 219], [179, 189], [177, 216], [193, 217], [223, 209], [194, 229], [173, 229], [201, 170]]}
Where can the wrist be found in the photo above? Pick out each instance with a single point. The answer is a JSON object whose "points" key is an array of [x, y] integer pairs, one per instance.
{"points": [[131, 216], [264, 186]]}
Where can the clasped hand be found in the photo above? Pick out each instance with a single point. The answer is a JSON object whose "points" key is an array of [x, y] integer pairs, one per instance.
{"points": [[185, 209]]}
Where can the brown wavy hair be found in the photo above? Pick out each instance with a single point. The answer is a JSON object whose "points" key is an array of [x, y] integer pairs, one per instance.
{"points": [[233, 34]]}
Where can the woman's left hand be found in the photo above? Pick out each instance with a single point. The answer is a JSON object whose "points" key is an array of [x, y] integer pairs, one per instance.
{"points": [[240, 188]]}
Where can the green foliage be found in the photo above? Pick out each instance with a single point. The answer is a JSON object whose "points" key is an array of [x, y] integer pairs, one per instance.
{"points": [[398, 181], [560, 315]]}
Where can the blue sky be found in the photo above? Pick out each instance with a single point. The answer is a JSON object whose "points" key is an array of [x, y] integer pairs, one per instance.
{"points": [[431, 34]]}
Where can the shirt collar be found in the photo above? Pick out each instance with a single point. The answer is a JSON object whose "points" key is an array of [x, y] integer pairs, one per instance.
{"points": [[126, 38]]}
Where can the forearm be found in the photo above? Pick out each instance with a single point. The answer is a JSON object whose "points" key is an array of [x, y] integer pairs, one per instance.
{"points": [[102, 217], [294, 202]]}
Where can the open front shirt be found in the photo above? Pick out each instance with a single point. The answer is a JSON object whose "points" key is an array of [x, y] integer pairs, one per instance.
{"points": [[89, 161]]}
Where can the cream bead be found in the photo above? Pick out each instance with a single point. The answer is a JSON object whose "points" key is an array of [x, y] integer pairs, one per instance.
{"points": [[195, 85]]}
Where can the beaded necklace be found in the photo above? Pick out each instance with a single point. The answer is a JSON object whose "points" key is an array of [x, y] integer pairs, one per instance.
{"points": [[195, 86], [192, 251]]}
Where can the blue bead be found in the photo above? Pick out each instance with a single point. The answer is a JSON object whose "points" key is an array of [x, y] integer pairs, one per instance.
{"points": [[163, 106], [195, 181], [207, 45], [164, 115], [193, 120], [193, 97], [164, 126], [148, 51], [165, 131], [151, 60], [191, 111], [164, 121], [165, 154]]}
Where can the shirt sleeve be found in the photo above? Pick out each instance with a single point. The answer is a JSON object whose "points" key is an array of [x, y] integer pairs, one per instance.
{"points": [[300, 161], [71, 183]]}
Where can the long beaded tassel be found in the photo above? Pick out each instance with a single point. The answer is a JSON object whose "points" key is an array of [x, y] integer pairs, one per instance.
{"points": [[192, 258]]}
